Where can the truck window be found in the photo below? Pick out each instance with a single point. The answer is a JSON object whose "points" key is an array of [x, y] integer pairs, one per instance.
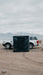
{"points": [[31, 38], [35, 38]]}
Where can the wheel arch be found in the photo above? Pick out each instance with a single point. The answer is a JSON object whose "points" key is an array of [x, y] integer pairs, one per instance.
{"points": [[31, 43], [7, 43]]}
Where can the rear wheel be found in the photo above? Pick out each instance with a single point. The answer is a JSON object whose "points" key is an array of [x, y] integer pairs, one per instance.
{"points": [[7, 46], [31, 46]]}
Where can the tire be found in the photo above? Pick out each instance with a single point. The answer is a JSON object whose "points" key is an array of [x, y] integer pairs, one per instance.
{"points": [[7, 46], [31, 46]]}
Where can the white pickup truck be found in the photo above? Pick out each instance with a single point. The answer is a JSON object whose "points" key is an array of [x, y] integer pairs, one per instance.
{"points": [[33, 41]]}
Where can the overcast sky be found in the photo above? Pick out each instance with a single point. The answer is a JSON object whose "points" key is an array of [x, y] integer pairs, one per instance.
{"points": [[21, 16]]}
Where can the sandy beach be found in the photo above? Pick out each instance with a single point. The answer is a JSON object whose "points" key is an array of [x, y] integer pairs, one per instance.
{"points": [[21, 63]]}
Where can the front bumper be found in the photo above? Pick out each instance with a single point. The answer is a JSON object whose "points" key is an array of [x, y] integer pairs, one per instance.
{"points": [[3, 44]]}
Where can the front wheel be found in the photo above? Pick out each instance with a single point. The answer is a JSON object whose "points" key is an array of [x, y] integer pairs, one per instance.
{"points": [[7, 46], [31, 46]]}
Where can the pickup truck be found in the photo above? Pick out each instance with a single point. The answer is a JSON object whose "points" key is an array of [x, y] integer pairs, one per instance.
{"points": [[33, 41]]}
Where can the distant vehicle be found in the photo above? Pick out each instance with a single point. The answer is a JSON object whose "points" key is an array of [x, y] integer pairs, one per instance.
{"points": [[33, 41]]}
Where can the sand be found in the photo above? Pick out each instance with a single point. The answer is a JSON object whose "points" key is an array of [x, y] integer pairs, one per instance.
{"points": [[21, 63]]}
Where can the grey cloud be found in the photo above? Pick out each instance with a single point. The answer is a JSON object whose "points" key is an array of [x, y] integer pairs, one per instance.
{"points": [[21, 15]]}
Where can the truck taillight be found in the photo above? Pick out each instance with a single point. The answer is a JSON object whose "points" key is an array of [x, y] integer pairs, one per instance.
{"points": [[37, 42]]}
